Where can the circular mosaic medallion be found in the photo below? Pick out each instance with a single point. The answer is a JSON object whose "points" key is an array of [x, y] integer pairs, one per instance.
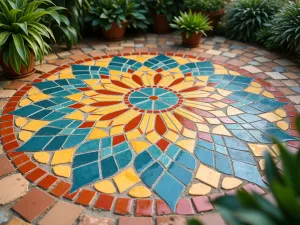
{"points": [[157, 126]]}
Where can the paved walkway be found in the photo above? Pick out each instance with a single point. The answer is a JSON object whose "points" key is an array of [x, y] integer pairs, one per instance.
{"points": [[142, 131]]}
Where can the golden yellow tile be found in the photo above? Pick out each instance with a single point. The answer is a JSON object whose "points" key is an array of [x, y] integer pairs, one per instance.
{"points": [[199, 189], [268, 94], [221, 130], [88, 108], [190, 79], [153, 137], [126, 179], [76, 97], [217, 96], [220, 104], [35, 125], [213, 121], [133, 134], [105, 186], [53, 77], [62, 171], [281, 113], [218, 113], [189, 133], [39, 97], [90, 63], [233, 73], [117, 130], [20, 121], [202, 127], [224, 92], [259, 149], [171, 136], [102, 64], [63, 156], [180, 60], [24, 102], [210, 89], [41, 157], [1, 150], [208, 176], [283, 125], [187, 144], [66, 76], [33, 91], [254, 90], [24, 135], [93, 117], [139, 192], [229, 183], [76, 115], [255, 84], [221, 71], [262, 164], [272, 117], [139, 146], [203, 78], [90, 93], [97, 134], [103, 124], [232, 111], [87, 101]]}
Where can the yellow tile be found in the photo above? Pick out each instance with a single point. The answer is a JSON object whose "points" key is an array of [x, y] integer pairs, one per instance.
{"points": [[66, 75], [139, 192], [214, 121], [62, 171], [283, 125], [254, 90], [105, 186], [76, 115], [24, 102], [268, 94], [229, 183], [90, 93], [262, 164], [180, 60], [93, 117], [220, 104], [189, 133], [233, 72], [87, 101], [139, 146], [224, 92], [33, 91], [209, 89], [97, 134], [199, 189], [258, 149], [218, 113], [203, 78], [188, 145], [63, 156], [88, 109], [202, 127], [39, 97], [35, 125], [41, 157], [75, 97], [276, 149], [171, 136], [272, 117], [153, 137], [20, 121], [103, 64], [133, 134], [221, 130], [24, 135], [231, 111], [53, 77], [217, 96], [126, 179], [90, 63], [280, 112], [221, 71], [116, 130], [208, 176], [255, 84], [102, 124]]}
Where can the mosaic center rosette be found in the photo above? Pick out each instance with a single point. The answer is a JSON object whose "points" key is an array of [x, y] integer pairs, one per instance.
{"points": [[158, 120]]}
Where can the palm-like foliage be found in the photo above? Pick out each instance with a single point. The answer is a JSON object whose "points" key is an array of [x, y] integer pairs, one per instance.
{"points": [[162, 7], [191, 22], [205, 5], [21, 31], [245, 17]]}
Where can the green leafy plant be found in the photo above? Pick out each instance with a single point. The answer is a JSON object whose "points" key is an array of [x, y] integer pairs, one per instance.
{"points": [[162, 7], [244, 18], [254, 209], [191, 23], [136, 12], [21, 31], [205, 5]]}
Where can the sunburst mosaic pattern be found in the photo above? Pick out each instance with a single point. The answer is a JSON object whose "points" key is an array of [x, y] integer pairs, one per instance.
{"points": [[153, 119]]}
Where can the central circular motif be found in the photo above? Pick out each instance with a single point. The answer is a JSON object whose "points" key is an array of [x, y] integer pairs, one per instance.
{"points": [[154, 98]]}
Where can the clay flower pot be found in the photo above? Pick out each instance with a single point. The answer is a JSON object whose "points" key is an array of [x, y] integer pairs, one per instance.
{"points": [[192, 41], [160, 24], [115, 33], [214, 16], [24, 72]]}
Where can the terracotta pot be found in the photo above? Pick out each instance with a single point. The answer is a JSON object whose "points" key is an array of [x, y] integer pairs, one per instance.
{"points": [[160, 24], [24, 72], [193, 40], [115, 33], [214, 16]]}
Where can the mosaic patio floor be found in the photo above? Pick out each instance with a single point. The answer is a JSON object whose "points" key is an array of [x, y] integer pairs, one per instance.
{"points": [[160, 132]]}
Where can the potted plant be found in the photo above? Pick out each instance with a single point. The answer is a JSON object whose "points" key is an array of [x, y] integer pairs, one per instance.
{"points": [[22, 36], [214, 9], [162, 12], [191, 26]]}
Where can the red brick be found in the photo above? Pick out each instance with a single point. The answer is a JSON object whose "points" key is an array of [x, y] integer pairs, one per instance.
{"points": [[104, 202], [144, 207], [85, 197]]}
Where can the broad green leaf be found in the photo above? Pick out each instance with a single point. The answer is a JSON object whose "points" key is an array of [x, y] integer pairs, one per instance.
{"points": [[23, 26], [19, 46], [3, 37]]}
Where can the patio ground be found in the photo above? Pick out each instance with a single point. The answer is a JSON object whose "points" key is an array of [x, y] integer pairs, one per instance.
{"points": [[175, 126]]}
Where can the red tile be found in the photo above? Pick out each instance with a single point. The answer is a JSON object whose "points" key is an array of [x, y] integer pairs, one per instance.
{"points": [[9, 138], [105, 202], [85, 197], [118, 139], [87, 124], [123, 206], [60, 189], [36, 174], [33, 204], [47, 182], [4, 132], [71, 196], [5, 166], [20, 160], [144, 207], [184, 207], [11, 146], [27, 167], [202, 204], [162, 208], [135, 221], [163, 144]]}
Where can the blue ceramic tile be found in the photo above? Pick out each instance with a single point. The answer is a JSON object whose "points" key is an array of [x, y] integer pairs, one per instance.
{"points": [[223, 164], [86, 158], [218, 139], [56, 143], [165, 160], [242, 79], [167, 95], [249, 109], [172, 151], [74, 140], [296, 89], [138, 100], [163, 188], [46, 131], [262, 125], [108, 167], [82, 131], [60, 123], [54, 116], [244, 135], [234, 126], [247, 172], [186, 159], [160, 91], [235, 143], [180, 173], [41, 114], [154, 151], [34, 144], [106, 152], [45, 85], [241, 156], [142, 161], [147, 105], [121, 147], [85, 175], [170, 101], [159, 105], [221, 149], [205, 156], [150, 175], [138, 94], [206, 144], [106, 142], [260, 136], [147, 91], [45, 103], [74, 124], [124, 158], [249, 118], [26, 110], [279, 134], [89, 146], [53, 90], [247, 126], [67, 131]]}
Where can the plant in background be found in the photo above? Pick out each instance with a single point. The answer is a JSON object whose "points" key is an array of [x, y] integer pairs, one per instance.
{"points": [[136, 13], [205, 5], [162, 7], [244, 18], [21, 31]]}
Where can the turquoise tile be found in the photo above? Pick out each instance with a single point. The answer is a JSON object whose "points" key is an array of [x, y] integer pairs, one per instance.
{"points": [[279, 134], [151, 174], [218, 139], [60, 123], [40, 115], [147, 105], [106, 142], [48, 131], [235, 144], [260, 136], [106, 152], [142, 160], [186, 159], [85, 131], [244, 135], [86, 158], [123, 158], [223, 164], [159, 105], [74, 140], [34, 144], [160, 91], [138, 94], [206, 144], [138, 100], [154, 151], [180, 173], [221, 149], [45, 103], [165, 160], [147, 91], [172, 151], [56, 143], [89, 146], [26, 110], [120, 147], [241, 156], [170, 101], [205, 156], [108, 167]]}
